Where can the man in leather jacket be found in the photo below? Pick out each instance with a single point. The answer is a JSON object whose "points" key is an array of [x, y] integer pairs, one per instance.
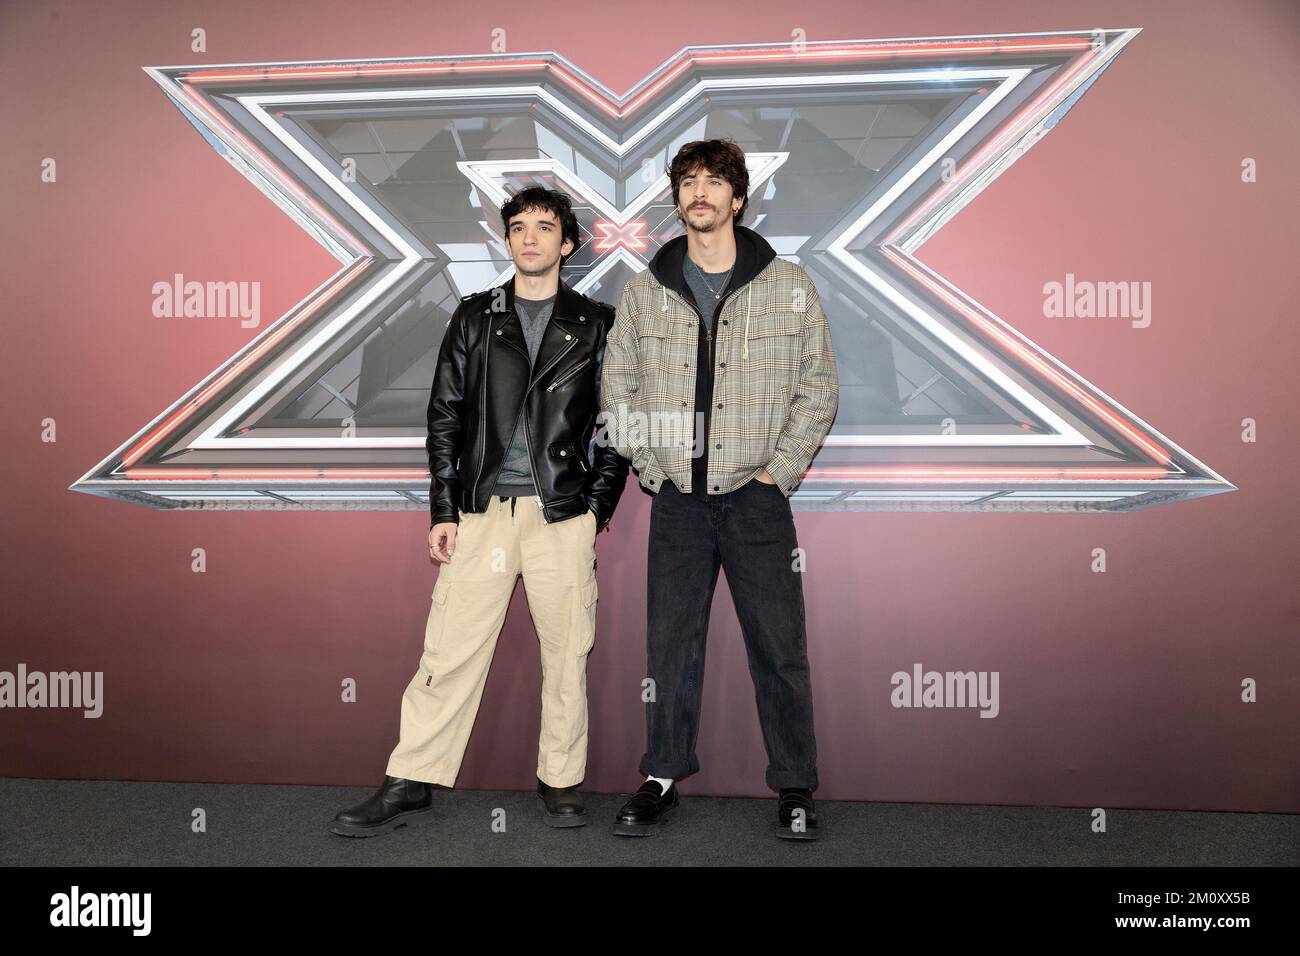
{"points": [[518, 486]]}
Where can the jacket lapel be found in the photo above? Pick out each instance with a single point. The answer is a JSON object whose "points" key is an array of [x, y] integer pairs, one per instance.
{"points": [[568, 320], [505, 327]]}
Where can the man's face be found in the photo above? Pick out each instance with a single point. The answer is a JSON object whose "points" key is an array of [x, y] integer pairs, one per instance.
{"points": [[705, 201], [535, 242]]}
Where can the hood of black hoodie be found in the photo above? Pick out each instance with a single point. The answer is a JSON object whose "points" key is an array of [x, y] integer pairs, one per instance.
{"points": [[753, 253]]}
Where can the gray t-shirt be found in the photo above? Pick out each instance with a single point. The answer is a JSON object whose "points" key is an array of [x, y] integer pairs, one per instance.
{"points": [[707, 287], [516, 477]]}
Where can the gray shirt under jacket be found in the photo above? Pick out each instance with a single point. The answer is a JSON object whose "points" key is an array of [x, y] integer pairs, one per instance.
{"points": [[705, 286], [516, 477]]}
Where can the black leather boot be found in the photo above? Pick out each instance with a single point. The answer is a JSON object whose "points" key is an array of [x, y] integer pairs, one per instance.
{"points": [[790, 800], [647, 810], [397, 803], [561, 806]]}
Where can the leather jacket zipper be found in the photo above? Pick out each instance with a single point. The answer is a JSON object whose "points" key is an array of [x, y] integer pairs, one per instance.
{"points": [[482, 419], [528, 436], [568, 375], [528, 440]]}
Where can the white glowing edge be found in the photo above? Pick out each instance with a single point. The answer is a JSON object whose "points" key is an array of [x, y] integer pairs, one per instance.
{"points": [[257, 105]]}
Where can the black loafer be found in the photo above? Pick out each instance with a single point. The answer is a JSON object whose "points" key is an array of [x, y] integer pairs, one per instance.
{"points": [[397, 803], [793, 805], [561, 806], [648, 809]]}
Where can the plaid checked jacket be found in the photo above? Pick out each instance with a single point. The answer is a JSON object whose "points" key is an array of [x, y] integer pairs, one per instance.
{"points": [[774, 377]]}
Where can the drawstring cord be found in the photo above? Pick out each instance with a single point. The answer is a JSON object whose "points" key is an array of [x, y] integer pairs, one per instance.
{"points": [[749, 300]]}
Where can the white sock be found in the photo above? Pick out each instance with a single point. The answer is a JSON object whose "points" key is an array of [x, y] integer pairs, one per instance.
{"points": [[663, 782]]}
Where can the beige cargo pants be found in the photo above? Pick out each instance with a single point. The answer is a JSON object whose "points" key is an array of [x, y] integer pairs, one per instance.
{"points": [[473, 590]]}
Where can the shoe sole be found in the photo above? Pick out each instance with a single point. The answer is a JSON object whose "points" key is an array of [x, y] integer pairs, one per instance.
{"points": [[563, 819], [644, 829], [406, 818]]}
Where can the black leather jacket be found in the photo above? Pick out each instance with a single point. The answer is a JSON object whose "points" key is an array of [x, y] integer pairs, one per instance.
{"points": [[482, 379]]}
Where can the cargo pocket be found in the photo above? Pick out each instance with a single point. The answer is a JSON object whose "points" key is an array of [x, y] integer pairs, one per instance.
{"points": [[585, 622], [437, 624]]}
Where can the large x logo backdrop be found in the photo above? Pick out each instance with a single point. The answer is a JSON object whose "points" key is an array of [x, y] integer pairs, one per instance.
{"points": [[859, 151]]}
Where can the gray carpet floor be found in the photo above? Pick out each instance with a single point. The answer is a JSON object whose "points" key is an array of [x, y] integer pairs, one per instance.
{"points": [[116, 823]]}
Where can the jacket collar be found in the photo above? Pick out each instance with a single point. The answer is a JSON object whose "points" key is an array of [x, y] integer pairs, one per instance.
{"points": [[569, 317], [570, 305]]}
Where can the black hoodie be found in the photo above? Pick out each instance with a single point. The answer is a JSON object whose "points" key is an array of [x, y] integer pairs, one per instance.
{"points": [[753, 253]]}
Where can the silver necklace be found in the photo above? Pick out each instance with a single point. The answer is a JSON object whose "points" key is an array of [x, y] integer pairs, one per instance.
{"points": [[704, 277]]}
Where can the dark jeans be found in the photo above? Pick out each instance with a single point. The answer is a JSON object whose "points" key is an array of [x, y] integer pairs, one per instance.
{"points": [[749, 533]]}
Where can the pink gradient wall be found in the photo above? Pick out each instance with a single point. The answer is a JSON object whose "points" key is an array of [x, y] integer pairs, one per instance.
{"points": [[1118, 690]]}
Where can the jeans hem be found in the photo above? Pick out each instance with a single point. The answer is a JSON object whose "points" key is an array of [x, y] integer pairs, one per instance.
{"points": [[792, 779], [668, 771]]}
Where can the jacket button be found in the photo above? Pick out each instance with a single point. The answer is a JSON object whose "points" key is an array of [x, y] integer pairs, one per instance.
{"points": [[567, 337], [724, 321], [563, 452], [722, 365], [498, 331], [716, 488]]}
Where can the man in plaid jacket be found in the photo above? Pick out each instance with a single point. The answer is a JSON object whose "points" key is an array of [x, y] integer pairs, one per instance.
{"points": [[719, 385]]}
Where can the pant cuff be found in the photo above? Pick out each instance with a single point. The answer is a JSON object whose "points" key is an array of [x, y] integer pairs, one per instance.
{"points": [[668, 770], [397, 770], [563, 781], [794, 779]]}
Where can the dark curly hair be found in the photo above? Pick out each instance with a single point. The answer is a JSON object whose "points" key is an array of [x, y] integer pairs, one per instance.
{"points": [[720, 157], [550, 200]]}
